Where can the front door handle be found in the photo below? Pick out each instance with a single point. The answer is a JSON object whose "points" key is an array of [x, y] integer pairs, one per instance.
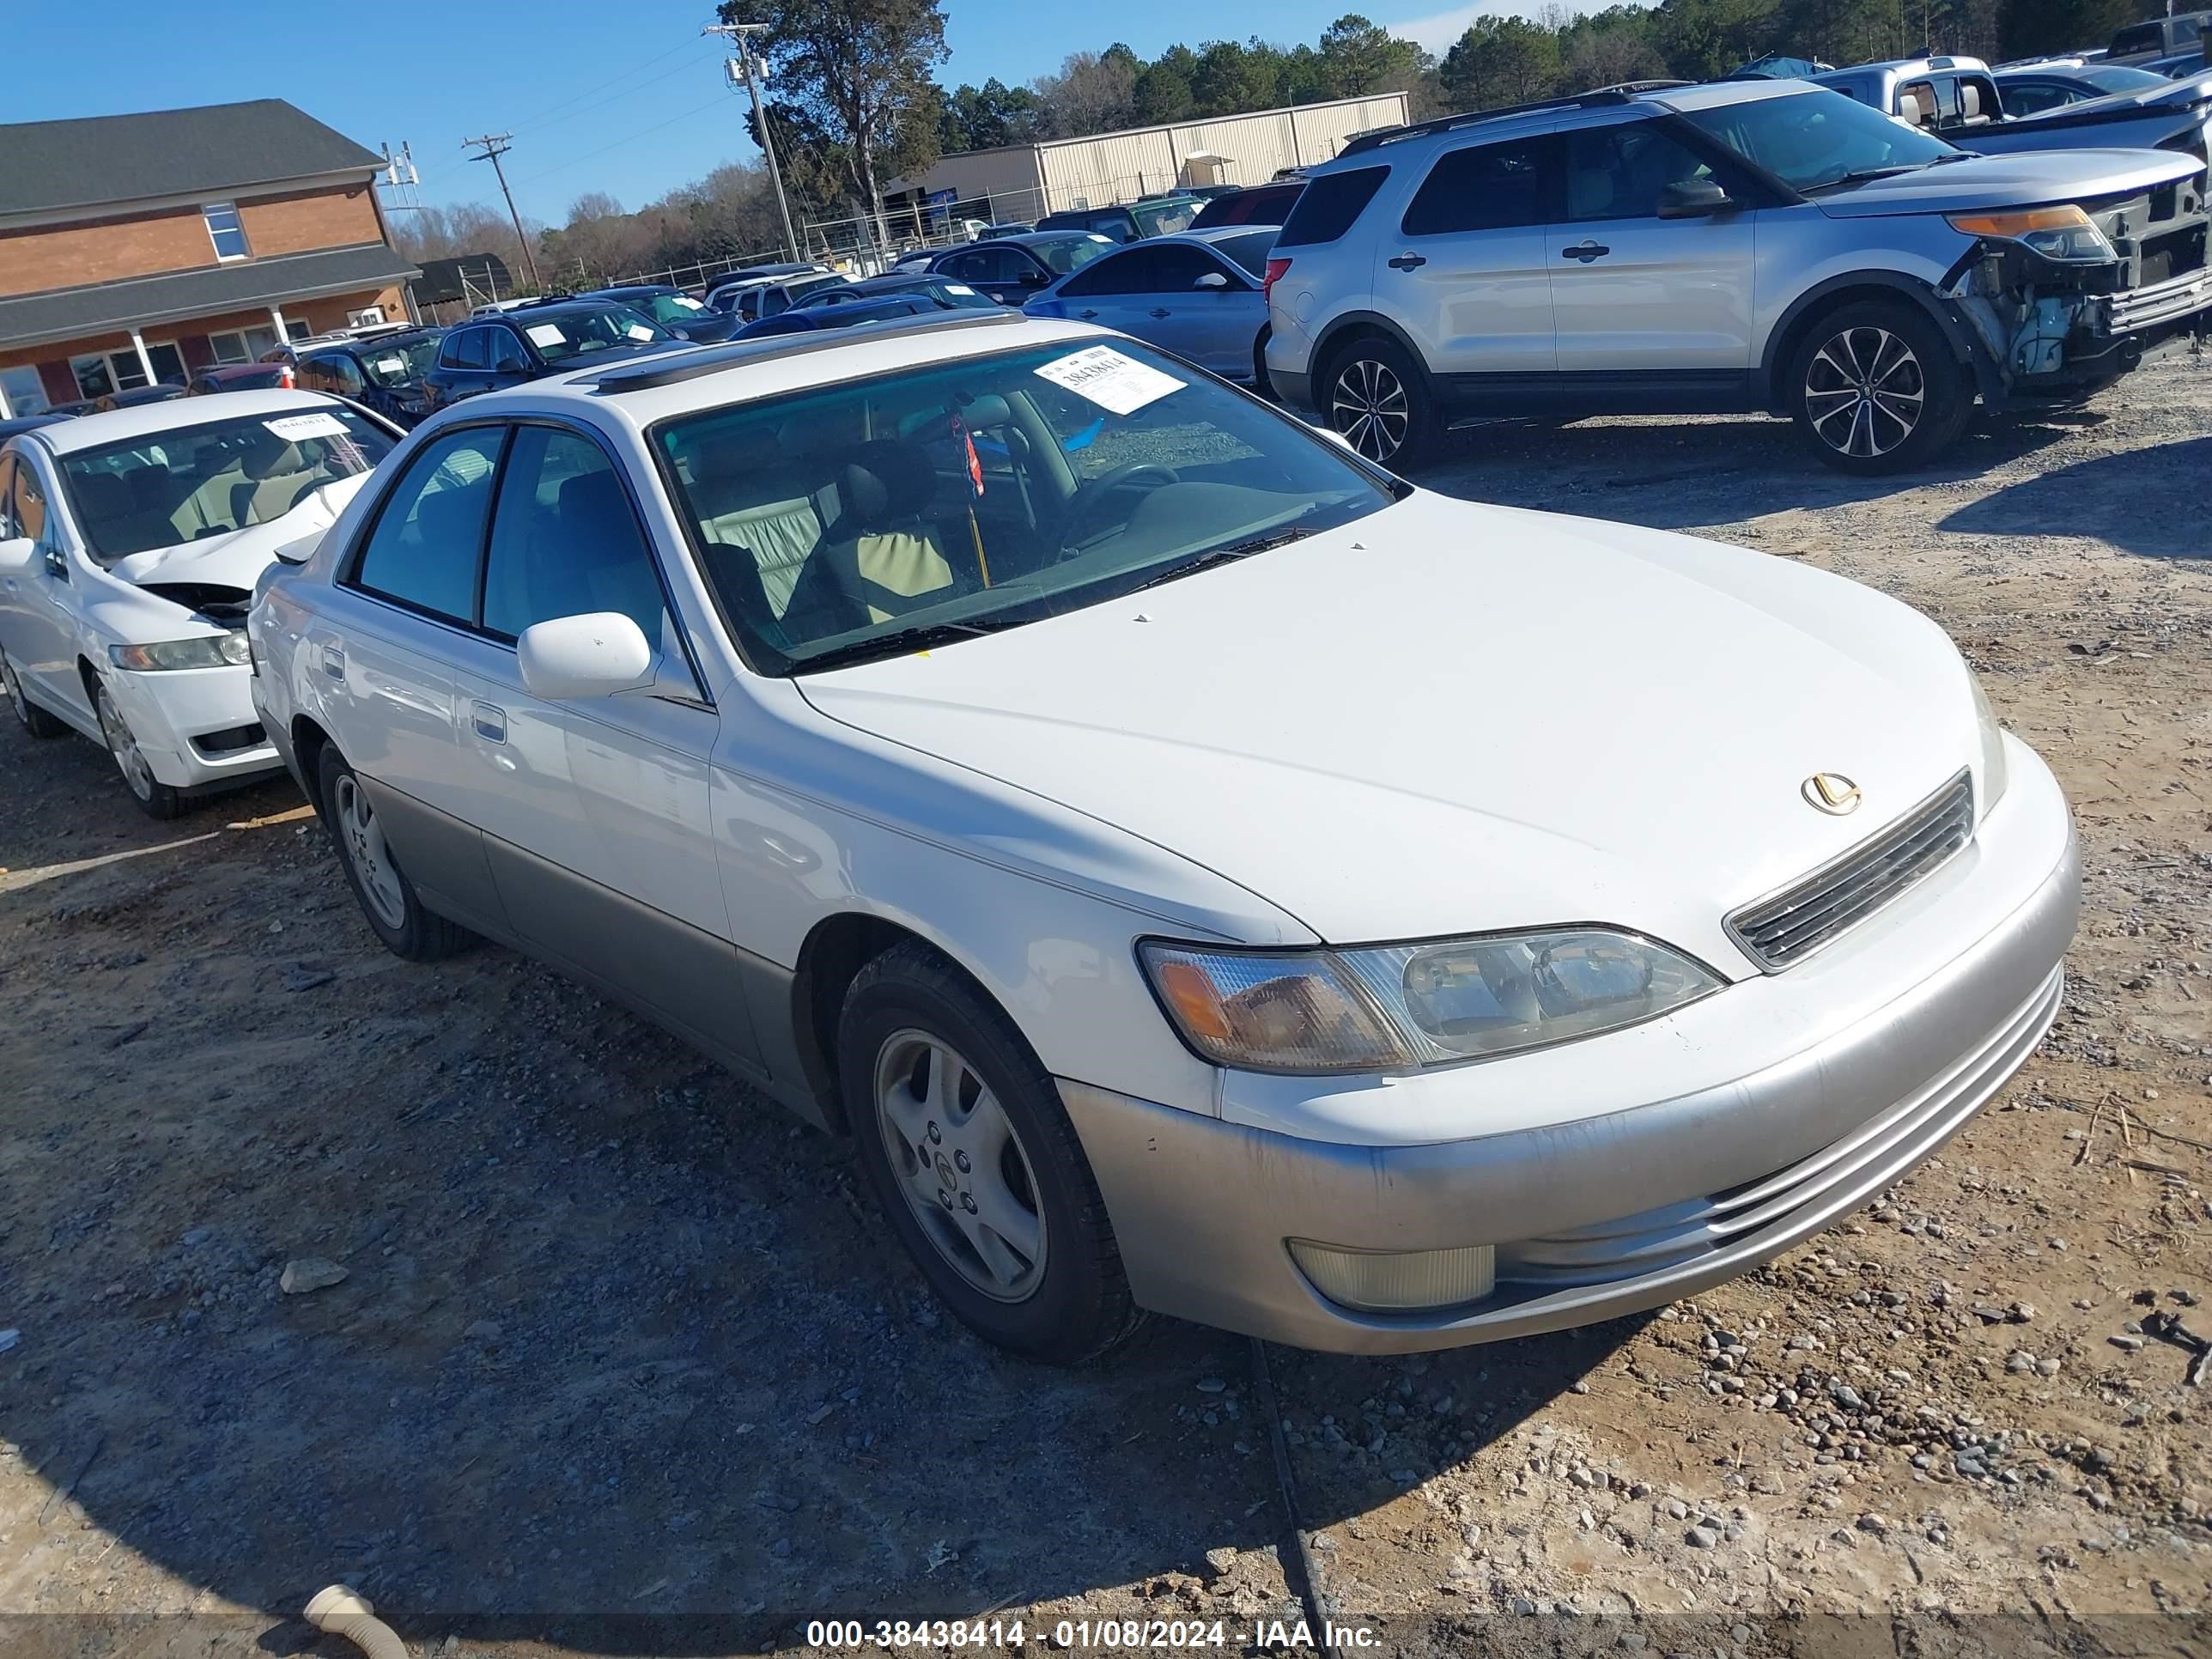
{"points": [[489, 721], [1086, 315], [1407, 262], [1157, 312], [334, 661], [1585, 251]]}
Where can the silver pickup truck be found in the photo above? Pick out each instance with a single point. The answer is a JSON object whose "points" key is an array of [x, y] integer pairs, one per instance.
{"points": [[1958, 98]]}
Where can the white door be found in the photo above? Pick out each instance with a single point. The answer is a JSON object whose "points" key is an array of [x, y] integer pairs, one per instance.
{"points": [[1634, 294], [379, 653], [38, 590], [1467, 270], [596, 811]]}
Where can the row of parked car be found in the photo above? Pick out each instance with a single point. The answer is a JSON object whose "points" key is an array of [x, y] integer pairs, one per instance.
{"points": [[875, 712]]}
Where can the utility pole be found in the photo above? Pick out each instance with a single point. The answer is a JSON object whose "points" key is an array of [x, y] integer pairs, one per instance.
{"points": [[494, 146], [737, 32]]}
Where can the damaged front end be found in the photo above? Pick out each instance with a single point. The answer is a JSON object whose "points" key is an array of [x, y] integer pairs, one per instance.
{"points": [[2064, 300]]}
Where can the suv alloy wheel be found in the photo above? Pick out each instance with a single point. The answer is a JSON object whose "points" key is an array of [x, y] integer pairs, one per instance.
{"points": [[1378, 402], [1875, 389]]}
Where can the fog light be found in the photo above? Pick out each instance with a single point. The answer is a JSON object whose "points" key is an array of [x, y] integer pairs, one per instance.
{"points": [[1398, 1281]]}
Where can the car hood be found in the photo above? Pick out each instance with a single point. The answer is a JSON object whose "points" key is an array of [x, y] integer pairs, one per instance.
{"points": [[1446, 718], [2027, 179], [237, 558]]}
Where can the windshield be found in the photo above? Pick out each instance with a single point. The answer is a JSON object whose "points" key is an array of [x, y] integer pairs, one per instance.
{"points": [[669, 307], [846, 523], [1809, 139], [559, 334], [165, 488], [1164, 218], [1073, 252], [2117, 77], [394, 363]]}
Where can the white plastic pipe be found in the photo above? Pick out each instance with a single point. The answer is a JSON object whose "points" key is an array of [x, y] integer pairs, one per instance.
{"points": [[348, 1612]]}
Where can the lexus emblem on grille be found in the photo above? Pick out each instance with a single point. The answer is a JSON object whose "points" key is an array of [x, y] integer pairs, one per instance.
{"points": [[1832, 793]]}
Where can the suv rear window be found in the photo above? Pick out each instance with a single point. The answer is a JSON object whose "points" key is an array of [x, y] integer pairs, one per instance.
{"points": [[2143, 37], [1328, 205]]}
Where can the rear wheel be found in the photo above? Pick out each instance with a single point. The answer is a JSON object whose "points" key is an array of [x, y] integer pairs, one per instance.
{"points": [[387, 898], [1876, 390], [34, 719], [1376, 397], [156, 798], [975, 1164]]}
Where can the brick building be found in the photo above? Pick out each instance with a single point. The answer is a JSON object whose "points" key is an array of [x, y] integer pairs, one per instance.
{"points": [[137, 248]]}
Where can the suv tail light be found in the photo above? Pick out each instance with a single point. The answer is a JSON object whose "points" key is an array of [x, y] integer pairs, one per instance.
{"points": [[1277, 269]]}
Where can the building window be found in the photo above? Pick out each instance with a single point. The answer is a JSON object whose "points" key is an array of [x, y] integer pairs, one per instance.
{"points": [[242, 345], [299, 328], [101, 373], [366, 317], [25, 392], [225, 231], [94, 379]]}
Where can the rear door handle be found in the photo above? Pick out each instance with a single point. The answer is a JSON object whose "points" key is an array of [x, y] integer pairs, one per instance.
{"points": [[489, 721], [1407, 262], [1163, 313], [1585, 251], [1086, 315], [334, 661]]}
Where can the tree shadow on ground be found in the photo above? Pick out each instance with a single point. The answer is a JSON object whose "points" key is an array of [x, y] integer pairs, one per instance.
{"points": [[2150, 501]]}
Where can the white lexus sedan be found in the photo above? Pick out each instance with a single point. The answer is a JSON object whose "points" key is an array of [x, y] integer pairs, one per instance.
{"points": [[129, 543], [1201, 872]]}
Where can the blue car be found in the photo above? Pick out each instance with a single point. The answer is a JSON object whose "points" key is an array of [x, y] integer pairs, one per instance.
{"points": [[1197, 294], [942, 292], [885, 307]]}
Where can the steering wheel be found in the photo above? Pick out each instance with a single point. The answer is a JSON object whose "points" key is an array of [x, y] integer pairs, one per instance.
{"points": [[1092, 491]]}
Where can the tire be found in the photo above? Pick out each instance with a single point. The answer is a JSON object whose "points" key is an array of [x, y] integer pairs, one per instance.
{"points": [[1875, 389], [1377, 398], [34, 719], [930, 1071], [395, 913], [156, 798]]}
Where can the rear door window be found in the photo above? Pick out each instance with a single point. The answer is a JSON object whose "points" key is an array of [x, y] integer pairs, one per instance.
{"points": [[428, 538], [1480, 187]]}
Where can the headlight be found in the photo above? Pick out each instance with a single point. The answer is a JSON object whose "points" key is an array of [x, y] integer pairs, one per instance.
{"points": [[2064, 234], [1398, 1006], [219, 650], [1994, 776]]}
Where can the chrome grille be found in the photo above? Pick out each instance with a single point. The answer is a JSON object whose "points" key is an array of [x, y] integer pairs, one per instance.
{"points": [[1793, 924]]}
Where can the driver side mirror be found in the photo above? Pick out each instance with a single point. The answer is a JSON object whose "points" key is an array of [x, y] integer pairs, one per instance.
{"points": [[571, 659], [1212, 279], [1693, 198], [15, 553], [1036, 279]]}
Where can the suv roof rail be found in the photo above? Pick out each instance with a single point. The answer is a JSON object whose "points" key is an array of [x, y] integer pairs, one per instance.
{"points": [[691, 365], [1619, 94]]}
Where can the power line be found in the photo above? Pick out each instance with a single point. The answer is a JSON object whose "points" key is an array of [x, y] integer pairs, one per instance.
{"points": [[573, 161], [494, 146], [529, 121]]}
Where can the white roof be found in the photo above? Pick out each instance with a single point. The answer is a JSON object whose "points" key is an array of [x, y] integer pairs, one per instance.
{"points": [[786, 363], [173, 415]]}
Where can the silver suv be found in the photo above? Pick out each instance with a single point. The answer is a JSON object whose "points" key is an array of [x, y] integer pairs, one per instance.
{"points": [[1745, 246]]}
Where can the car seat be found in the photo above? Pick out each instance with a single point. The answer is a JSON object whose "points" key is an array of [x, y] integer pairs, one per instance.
{"points": [[878, 557], [276, 474], [749, 495], [587, 556]]}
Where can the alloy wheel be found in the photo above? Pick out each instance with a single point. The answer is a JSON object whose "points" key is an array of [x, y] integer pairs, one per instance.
{"points": [[129, 760], [1864, 392], [1368, 406], [361, 837], [960, 1165]]}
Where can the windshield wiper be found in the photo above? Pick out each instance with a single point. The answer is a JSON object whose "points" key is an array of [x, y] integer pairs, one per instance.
{"points": [[1864, 174], [1228, 555], [919, 637]]}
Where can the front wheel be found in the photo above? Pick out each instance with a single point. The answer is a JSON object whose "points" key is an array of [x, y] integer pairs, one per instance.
{"points": [[1377, 398], [156, 798], [975, 1163], [1875, 389]]}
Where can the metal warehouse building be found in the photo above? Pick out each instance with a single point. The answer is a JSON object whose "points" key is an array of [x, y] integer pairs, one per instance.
{"points": [[1026, 181]]}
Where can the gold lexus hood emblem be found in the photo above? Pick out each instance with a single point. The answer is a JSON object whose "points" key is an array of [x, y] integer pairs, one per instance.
{"points": [[1832, 793]]}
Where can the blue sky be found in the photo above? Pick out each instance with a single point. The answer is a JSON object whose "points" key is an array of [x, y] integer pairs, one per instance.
{"points": [[624, 98]]}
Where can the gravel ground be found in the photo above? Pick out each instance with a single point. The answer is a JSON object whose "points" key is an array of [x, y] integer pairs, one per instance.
{"points": [[621, 1362]]}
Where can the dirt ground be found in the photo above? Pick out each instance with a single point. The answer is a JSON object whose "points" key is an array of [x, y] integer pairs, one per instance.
{"points": [[622, 1362]]}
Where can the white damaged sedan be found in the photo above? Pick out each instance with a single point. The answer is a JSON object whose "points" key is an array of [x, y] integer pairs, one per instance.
{"points": [[1202, 872], [129, 543]]}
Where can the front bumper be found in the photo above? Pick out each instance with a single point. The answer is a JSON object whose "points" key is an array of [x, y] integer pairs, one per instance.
{"points": [[2154, 304], [1723, 1177], [197, 727]]}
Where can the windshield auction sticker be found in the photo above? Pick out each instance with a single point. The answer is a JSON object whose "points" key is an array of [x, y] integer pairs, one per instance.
{"points": [[545, 334], [1116, 383], [289, 427]]}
